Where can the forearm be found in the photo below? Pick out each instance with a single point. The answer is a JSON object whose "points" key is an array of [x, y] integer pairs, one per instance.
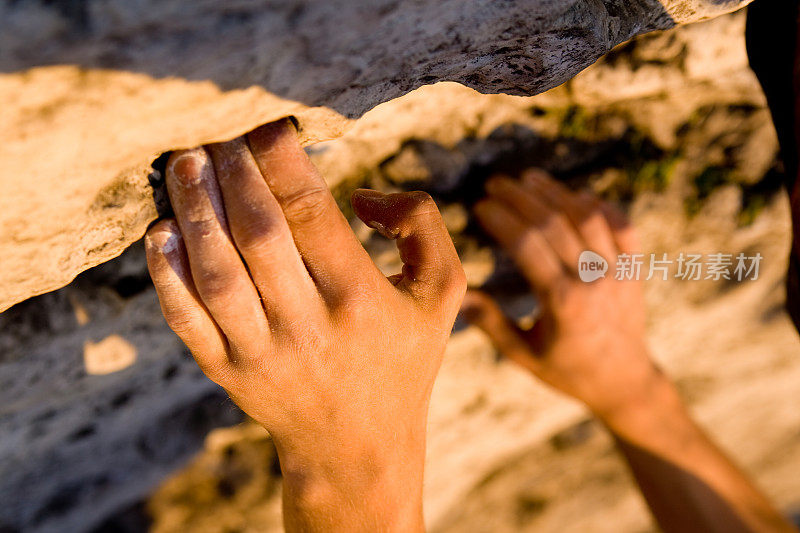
{"points": [[689, 483]]}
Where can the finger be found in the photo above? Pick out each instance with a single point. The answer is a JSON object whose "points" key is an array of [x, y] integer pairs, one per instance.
{"points": [[183, 310], [394, 279], [262, 236], [526, 245], [480, 309], [582, 210], [624, 233], [218, 272], [332, 253], [551, 221], [432, 271]]}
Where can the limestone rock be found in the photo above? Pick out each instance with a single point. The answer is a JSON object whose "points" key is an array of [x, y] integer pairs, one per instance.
{"points": [[93, 91], [80, 450]]}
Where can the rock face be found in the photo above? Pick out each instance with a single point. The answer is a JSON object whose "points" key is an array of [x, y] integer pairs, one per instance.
{"points": [[672, 121], [78, 445], [94, 90]]}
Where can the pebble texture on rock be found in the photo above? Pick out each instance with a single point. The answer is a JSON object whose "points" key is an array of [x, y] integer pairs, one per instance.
{"points": [[93, 91]]}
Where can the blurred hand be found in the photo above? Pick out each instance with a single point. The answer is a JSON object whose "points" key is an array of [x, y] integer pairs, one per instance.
{"points": [[263, 279], [589, 340]]}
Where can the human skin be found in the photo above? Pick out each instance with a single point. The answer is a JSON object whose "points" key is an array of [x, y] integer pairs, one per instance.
{"points": [[589, 342], [262, 278]]}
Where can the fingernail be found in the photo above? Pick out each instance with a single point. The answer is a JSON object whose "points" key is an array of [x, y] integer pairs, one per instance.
{"points": [[383, 230], [166, 239], [587, 196], [370, 194], [536, 175], [482, 207], [471, 313], [294, 122], [539, 178], [187, 166], [494, 185]]}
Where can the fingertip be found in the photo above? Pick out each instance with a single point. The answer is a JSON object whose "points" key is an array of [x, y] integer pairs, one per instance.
{"points": [[223, 151], [616, 218], [368, 206], [536, 175], [623, 231], [498, 184], [166, 253], [483, 312], [187, 166], [164, 236], [365, 197], [473, 306], [587, 196], [482, 205], [367, 193], [487, 209], [394, 279], [275, 133]]}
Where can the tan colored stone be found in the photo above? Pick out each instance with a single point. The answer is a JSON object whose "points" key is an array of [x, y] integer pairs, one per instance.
{"points": [[133, 80], [111, 354]]}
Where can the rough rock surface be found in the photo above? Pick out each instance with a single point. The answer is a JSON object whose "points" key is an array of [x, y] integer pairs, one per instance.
{"points": [[76, 447], [673, 122], [94, 90]]}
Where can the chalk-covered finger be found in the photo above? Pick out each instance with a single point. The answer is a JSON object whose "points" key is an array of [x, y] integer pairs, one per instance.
{"points": [[183, 310], [219, 274]]}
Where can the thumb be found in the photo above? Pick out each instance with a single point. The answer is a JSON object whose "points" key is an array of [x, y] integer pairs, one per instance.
{"points": [[432, 272], [482, 311]]}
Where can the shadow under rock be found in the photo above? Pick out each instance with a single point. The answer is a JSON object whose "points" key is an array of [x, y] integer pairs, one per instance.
{"points": [[79, 449]]}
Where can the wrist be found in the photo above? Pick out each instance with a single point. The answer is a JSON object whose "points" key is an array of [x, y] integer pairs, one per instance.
{"points": [[653, 409], [625, 385], [378, 479]]}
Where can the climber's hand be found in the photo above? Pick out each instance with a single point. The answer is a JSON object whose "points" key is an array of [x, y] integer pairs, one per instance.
{"points": [[263, 279], [589, 339]]}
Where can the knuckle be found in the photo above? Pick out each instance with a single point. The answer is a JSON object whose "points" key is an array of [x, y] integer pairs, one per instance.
{"points": [[584, 209], [528, 241], [422, 204], [307, 205], [204, 225], [589, 208], [592, 222], [558, 222], [257, 236], [179, 321], [420, 197], [354, 306], [419, 213], [215, 286], [217, 368], [454, 282], [314, 340]]}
